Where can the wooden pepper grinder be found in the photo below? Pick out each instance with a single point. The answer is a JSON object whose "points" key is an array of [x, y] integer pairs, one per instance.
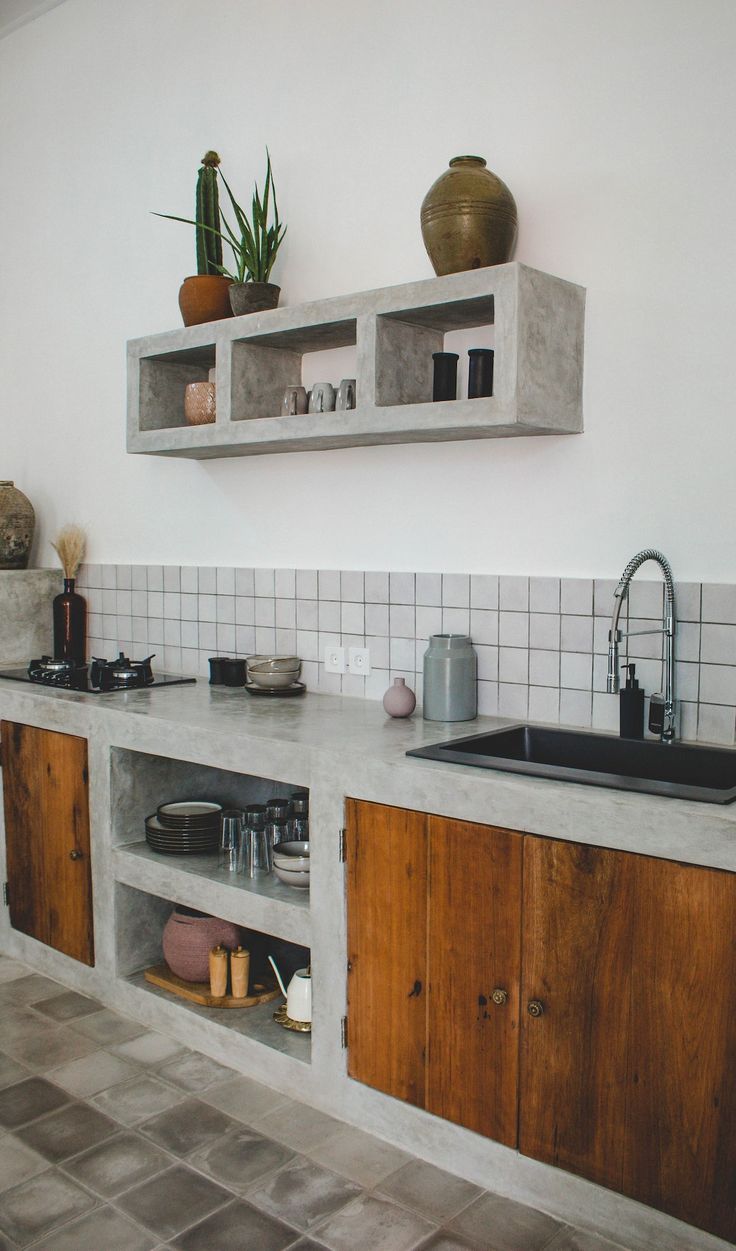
{"points": [[239, 972], [218, 971]]}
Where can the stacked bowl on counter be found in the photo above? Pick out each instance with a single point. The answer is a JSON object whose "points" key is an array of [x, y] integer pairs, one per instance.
{"points": [[291, 863]]}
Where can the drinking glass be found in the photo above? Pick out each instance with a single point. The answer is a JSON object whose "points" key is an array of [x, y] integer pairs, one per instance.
{"points": [[232, 822]]}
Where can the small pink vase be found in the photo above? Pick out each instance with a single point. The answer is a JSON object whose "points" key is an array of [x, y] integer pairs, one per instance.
{"points": [[188, 938], [399, 700]]}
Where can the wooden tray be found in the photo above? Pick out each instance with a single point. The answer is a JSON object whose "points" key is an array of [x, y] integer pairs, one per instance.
{"points": [[199, 992]]}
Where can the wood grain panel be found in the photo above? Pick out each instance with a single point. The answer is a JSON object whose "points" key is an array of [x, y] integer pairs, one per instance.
{"points": [[45, 797], [474, 948], [577, 947], [386, 850], [680, 1145]]}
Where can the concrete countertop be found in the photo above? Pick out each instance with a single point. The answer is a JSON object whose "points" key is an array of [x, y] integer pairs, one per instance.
{"points": [[336, 744]]}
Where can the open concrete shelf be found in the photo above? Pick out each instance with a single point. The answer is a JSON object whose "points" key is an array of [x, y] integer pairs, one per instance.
{"points": [[537, 325]]}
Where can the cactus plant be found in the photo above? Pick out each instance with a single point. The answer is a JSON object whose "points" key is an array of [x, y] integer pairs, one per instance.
{"points": [[207, 216]]}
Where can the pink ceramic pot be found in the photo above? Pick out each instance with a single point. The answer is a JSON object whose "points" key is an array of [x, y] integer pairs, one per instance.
{"points": [[189, 937], [399, 700]]}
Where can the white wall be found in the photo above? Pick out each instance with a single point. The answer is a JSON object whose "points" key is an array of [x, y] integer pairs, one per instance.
{"points": [[613, 126]]}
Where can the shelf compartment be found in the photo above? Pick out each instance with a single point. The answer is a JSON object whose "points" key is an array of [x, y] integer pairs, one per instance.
{"points": [[263, 365], [262, 903], [162, 382], [256, 1025]]}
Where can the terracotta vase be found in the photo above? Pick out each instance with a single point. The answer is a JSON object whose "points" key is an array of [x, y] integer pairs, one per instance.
{"points": [[17, 522], [199, 403], [188, 938], [468, 218], [253, 297], [204, 297]]}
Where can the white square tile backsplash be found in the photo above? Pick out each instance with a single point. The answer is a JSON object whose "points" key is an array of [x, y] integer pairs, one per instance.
{"points": [[541, 642]]}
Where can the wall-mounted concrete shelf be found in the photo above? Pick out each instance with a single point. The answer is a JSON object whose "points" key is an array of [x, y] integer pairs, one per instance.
{"points": [[537, 325]]}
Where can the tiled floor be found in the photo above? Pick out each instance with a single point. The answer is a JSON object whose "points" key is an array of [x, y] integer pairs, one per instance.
{"points": [[115, 1138]]}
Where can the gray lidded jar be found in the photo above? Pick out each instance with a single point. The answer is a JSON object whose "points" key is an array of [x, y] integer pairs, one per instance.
{"points": [[450, 679]]}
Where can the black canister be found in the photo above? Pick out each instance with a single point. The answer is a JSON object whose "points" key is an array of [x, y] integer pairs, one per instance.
{"points": [[217, 669], [445, 375], [233, 671], [480, 372]]}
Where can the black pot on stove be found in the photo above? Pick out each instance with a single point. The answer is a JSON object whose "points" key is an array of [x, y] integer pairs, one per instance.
{"points": [[121, 674]]}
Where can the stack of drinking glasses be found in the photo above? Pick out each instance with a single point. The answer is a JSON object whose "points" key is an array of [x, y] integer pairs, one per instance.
{"points": [[248, 836]]}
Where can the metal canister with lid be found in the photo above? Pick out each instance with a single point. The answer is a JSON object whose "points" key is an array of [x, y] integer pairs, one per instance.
{"points": [[450, 679]]}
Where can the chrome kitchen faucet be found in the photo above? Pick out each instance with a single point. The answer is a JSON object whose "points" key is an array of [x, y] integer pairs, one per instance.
{"points": [[661, 712]]}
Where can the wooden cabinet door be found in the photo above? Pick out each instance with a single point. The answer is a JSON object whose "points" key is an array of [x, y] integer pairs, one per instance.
{"points": [[628, 1076], [45, 796], [474, 951], [386, 854]]}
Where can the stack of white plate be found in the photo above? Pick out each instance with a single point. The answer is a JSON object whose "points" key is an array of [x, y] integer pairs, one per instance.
{"points": [[187, 827]]}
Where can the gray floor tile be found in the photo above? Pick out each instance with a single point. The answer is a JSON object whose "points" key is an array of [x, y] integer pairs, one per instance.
{"points": [[66, 1007], [371, 1224], [450, 1242], [40, 1205], [303, 1194], [361, 1157], [11, 1071], [148, 1048], [430, 1191], [92, 1074], [173, 1201], [194, 1072], [27, 1100], [187, 1126], [43, 1049], [241, 1158], [243, 1099], [236, 1228], [72, 1129], [308, 1244], [119, 1164], [27, 989], [297, 1125], [10, 969], [570, 1239], [107, 1027], [103, 1230], [136, 1101], [505, 1225], [18, 1162]]}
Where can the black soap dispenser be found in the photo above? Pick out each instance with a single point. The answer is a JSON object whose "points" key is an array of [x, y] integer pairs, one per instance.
{"points": [[631, 706]]}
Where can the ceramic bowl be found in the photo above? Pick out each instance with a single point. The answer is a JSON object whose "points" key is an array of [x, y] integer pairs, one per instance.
{"points": [[291, 878], [292, 864], [276, 664], [295, 847], [272, 680]]}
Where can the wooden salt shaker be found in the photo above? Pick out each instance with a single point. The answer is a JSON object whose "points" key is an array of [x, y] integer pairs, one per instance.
{"points": [[218, 971], [239, 972]]}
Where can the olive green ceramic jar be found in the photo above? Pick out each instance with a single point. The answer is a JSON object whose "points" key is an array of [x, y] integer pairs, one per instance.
{"points": [[468, 218]]}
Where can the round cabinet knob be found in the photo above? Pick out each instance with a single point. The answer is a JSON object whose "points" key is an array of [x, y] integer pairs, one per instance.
{"points": [[499, 996], [535, 1007], [76, 854]]}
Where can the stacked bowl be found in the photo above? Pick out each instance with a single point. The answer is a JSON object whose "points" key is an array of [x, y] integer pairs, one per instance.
{"points": [[185, 828], [273, 673], [291, 863]]}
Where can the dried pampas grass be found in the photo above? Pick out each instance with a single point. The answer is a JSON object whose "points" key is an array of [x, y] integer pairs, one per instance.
{"points": [[70, 546]]}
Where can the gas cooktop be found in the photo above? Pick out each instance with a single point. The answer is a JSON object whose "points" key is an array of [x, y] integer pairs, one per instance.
{"points": [[98, 678]]}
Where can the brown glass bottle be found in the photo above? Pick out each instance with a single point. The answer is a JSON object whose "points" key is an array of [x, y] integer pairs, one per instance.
{"points": [[70, 625]]}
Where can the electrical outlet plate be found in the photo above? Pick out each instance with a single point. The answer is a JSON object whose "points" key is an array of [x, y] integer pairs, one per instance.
{"points": [[335, 660], [359, 661]]}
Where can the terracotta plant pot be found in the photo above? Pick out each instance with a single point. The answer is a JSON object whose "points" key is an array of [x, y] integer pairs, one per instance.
{"points": [[188, 938], [253, 297], [468, 218], [204, 297]]}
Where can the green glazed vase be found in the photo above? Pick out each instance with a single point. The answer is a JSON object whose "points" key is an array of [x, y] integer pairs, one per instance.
{"points": [[468, 218]]}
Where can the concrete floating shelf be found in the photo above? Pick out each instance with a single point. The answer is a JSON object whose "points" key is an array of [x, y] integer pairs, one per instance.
{"points": [[537, 323]]}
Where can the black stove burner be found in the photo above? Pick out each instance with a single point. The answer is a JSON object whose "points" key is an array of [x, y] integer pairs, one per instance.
{"points": [[121, 674], [98, 678]]}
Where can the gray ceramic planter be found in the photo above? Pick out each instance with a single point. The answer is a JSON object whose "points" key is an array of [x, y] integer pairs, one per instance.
{"points": [[253, 297]]}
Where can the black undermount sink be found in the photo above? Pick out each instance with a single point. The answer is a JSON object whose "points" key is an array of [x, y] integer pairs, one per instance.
{"points": [[679, 770]]}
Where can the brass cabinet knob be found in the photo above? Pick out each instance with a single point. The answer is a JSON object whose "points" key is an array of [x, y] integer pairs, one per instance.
{"points": [[499, 996], [76, 854], [535, 1007]]}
